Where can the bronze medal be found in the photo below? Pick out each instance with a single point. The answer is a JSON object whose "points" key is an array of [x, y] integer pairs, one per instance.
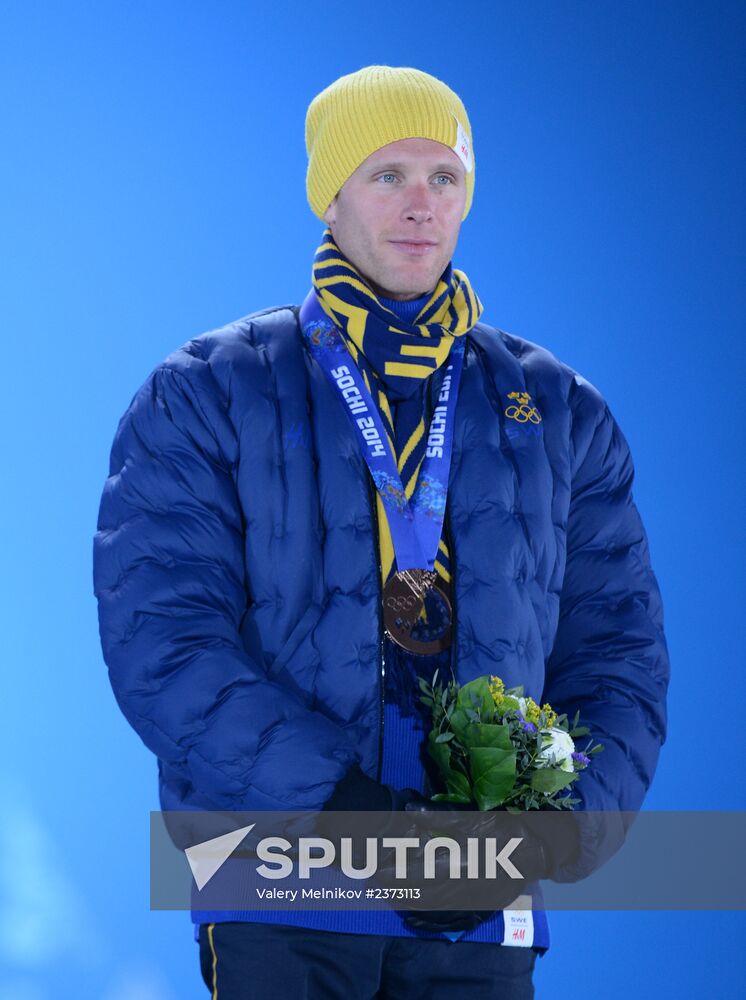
{"points": [[404, 597]]}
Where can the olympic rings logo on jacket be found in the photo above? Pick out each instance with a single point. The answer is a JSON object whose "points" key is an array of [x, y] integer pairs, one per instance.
{"points": [[522, 412]]}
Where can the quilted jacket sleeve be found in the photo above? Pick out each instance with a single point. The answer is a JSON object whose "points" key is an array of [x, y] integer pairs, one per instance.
{"points": [[169, 579], [609, 659]]}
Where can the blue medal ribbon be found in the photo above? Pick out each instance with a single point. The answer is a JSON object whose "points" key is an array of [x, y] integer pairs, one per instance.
{"points": [[416, 525]]}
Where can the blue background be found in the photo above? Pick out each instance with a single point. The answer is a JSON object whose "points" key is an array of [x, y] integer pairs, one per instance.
{"points": [[152, 187]]}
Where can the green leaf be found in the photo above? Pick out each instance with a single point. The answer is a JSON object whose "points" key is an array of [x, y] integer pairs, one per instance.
{"points": [[477, 693], [549, 780], [444, 797], [439, 752], [459, 721], [579, 731], [485, 734], [458, 785], [455, 781], [424, 686], [444, 737], [493, 773]]}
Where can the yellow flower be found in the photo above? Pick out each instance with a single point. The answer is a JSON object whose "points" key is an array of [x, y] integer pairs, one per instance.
{"points": [[497, 689], [550, 714], [532, 711]]}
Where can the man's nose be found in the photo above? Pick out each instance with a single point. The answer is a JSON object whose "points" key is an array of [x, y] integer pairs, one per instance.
{"points": [[419, 205]]}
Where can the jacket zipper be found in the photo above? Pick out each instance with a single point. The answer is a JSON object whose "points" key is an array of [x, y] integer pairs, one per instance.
{"points": [[454, 619], [452, 554], [382, 653], [451, 551]]}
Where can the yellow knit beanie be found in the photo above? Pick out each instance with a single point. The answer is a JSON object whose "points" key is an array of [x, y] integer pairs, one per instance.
{"points": [[360, 112]]}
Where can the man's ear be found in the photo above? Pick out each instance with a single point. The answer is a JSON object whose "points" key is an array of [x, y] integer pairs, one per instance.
{"points": [[330, 215]]}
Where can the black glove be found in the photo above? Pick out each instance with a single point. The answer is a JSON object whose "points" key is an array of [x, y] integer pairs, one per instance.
{"points": [[356, 792], [532, 858]]}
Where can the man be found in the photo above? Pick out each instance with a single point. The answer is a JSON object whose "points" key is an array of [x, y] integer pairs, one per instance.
{"points": [[278, 486]]}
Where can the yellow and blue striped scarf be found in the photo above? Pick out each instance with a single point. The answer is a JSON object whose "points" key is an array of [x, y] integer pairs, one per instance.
{"points": [[395, 358]]}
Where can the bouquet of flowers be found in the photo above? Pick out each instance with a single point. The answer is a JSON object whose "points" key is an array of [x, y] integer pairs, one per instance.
{"points": [[497, 749]]}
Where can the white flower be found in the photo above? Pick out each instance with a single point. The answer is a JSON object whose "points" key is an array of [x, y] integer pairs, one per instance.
{"points": [[512, 703], [557, 749]]}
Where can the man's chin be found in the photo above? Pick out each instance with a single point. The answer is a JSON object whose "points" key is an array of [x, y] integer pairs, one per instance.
{"points": [[402, 295], [397, 288]]}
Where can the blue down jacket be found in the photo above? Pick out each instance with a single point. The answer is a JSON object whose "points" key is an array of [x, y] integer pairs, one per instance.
{"points": [[237, 577]]}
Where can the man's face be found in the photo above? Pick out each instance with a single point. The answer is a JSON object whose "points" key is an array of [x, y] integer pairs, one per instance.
{"points": [[397, 218]]}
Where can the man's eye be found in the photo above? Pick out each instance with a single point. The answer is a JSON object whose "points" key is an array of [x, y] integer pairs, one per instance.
{"points": [[444, 177], [384, 176]]}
